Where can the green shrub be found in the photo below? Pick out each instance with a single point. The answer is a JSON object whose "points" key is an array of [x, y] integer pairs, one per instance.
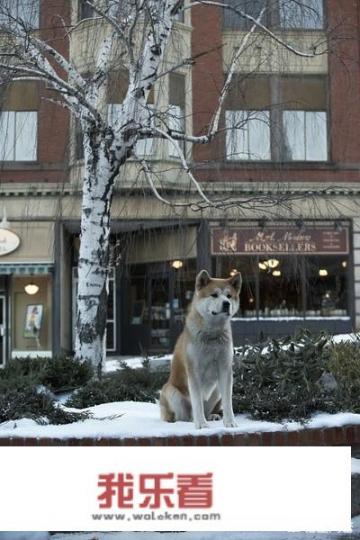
{"points": [[31, 402], [127, 384], [280, 379], [23, 384], [64, 373], [344, 365], [59, 374]]}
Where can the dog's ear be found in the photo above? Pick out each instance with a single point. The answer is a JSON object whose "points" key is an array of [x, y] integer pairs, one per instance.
{"points": [[202, 279], [236, 282]]}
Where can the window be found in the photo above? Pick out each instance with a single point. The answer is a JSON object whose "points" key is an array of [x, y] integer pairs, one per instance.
{"points": [[247, 135], [79, 140], [310, 280], [25, 10], [19, 102], [85, 10], [327, 279], [18, 136], [305, 136], [176, 111], [282, 119], [234, 21], [303, 15], [293, 14]]}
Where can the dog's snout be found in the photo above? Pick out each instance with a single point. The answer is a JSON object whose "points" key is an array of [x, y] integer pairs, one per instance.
{"points": [[226, 306]]}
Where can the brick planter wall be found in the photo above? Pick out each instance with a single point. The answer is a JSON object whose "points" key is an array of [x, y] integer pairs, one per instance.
{"points": [[335, 436]]}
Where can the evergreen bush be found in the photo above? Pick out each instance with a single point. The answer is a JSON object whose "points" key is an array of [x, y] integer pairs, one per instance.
{"points": [[59, 374], [344, 365], [37, 404], [281, 379], [127, 384]]}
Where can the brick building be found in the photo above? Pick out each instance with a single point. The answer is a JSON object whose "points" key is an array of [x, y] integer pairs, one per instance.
{"points": [[290, 154]]}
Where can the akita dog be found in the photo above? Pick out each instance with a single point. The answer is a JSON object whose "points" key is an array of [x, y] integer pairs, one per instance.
{"points": [[201, 379]]}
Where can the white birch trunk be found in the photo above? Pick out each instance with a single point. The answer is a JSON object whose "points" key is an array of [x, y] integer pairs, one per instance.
{"points": [[94, 254]]}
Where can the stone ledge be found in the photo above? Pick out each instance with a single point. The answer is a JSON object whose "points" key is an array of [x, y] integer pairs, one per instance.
{"points": [[332, 436]]}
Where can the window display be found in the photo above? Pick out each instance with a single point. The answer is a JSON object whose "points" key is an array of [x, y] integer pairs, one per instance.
{"points": [[288, 271]]}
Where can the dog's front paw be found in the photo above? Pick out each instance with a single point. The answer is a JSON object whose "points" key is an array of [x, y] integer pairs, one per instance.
{"points": [[230, 423], [201, 425]]}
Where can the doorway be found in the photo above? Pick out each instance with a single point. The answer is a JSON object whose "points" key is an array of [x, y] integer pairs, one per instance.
{"points": [[3, 331], [160, 315]]}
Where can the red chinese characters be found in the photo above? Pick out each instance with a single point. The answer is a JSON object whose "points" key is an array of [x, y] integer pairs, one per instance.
{"points": [[155, 491]]}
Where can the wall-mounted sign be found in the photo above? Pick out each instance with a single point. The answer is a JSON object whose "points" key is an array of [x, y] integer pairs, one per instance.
{"points": [[279, 240], [9, 241]]}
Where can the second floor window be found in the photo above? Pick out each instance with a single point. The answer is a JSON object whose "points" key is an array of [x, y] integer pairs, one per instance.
{"points": [[281, 119], [18, 136], [19, 104], [305, 136], [248, 135]]}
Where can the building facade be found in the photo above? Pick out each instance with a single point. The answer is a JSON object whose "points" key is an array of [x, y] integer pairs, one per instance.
{"points": [[286, 163]]}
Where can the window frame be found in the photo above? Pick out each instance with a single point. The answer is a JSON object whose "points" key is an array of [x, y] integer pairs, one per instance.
{"points": [[273, 20], [277, 110], [14, 150], [246, 127]]}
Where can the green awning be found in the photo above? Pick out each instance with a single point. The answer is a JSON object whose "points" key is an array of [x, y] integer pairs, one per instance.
{"points": [[25, 269]]}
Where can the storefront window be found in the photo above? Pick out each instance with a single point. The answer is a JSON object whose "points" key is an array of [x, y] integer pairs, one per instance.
{"points": [[280, 293], [327, 285], [310, 280], [31, 315]]}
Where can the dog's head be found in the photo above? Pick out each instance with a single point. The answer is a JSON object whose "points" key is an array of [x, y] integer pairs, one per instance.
{"points": [[217, 299]]}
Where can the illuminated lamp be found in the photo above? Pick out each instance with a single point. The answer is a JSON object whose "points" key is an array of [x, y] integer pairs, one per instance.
{"points": [[31, 288]]}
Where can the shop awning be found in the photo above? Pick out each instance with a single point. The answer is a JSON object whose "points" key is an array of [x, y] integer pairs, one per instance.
{"points": [[25, 269]]}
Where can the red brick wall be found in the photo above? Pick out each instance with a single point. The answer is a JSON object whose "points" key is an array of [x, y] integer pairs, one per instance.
{"points": [[207, 75], [336, 436], [53, 120], [344, 91]]}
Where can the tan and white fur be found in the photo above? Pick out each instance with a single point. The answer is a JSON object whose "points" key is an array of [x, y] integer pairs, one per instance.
{"points": [[201, 378]]}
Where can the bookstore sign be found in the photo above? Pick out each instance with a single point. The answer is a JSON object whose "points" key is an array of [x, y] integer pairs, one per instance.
{"points": [[279, 240]]}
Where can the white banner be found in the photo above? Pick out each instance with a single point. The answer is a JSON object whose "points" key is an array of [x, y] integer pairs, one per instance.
{"points": [[175, 489]]}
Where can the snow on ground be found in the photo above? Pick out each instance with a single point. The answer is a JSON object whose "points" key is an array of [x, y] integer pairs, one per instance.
{"points": [[339, 338], [186, 536], [114, 363], [136, 419]]}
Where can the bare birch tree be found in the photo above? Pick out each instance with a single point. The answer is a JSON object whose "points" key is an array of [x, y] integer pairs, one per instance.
{"points": [[137, 34]]}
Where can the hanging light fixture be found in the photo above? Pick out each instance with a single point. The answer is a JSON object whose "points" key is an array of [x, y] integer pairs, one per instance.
{"points": [[323, 272], [273, 263], [263, 265], [31, 288], [177, 264], [276, 273], [233, 272]]}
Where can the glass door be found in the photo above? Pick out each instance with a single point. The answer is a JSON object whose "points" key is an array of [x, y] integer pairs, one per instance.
{"points": [[2, 331], [159, 313]]}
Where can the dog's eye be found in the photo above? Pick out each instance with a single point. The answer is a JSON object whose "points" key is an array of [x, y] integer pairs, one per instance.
{"points": [[215, 295], [229, 295]]}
